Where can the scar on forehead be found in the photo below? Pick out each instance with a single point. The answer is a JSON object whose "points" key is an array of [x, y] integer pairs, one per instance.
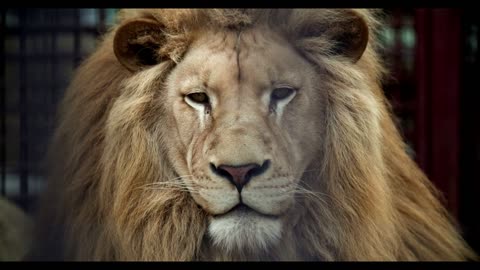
{"points": [[220, 41], [237, 50]]}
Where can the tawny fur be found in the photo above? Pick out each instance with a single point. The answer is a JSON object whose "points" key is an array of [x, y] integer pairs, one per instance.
{"points": [[109, 143]]}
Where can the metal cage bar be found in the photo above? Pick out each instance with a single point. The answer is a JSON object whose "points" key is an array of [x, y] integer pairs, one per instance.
{"points": [[3, 106], [23, 106]]}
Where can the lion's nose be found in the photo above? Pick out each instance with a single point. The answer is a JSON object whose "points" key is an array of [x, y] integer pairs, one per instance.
{"points": [[240, 175]]}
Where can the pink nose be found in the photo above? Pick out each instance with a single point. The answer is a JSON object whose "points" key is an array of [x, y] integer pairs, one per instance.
{"points": [[240, 175]]}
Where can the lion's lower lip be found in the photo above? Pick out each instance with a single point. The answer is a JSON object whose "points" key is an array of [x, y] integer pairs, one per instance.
{"points": [[242, 208]]}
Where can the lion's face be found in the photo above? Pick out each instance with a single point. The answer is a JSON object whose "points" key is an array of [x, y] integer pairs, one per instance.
{"points": [[245, 127]]}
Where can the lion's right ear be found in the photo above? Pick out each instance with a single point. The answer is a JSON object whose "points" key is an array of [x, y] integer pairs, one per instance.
{"points": [[137, 43], [343, 32]]}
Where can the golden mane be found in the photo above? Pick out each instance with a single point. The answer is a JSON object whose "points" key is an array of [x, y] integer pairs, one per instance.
{"points": [[108, 144]]}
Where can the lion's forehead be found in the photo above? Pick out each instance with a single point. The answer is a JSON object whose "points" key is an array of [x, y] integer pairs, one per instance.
{"points": [[249, 60]]}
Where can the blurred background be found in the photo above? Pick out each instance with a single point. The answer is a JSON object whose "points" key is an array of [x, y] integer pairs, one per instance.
{"points": [[434, 89]]}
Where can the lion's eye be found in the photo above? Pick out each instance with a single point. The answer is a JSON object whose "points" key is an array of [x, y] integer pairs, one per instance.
{"points": [[282, 93], [199, 97]]}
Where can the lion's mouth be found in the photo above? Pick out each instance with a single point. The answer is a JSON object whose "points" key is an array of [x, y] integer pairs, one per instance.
{"points": [[242, 209]]}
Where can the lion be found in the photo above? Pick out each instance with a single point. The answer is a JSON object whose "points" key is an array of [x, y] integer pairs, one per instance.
{"points": [[238, 134]]}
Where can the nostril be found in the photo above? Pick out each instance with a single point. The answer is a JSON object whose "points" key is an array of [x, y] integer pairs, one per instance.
{"points": [[260, 169], [220, 172], [213, 167]]}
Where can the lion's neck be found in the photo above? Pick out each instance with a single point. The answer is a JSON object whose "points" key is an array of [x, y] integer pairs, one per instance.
{"points": [[283, 251]]}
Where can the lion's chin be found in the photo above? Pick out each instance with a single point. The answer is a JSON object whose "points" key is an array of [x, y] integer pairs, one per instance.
{"points": [[244, 228]]}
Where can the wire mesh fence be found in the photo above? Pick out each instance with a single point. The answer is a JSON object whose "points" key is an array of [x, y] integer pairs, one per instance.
{"points": [[40, 50]]}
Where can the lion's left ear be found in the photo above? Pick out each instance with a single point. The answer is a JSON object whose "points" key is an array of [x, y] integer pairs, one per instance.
{"points": [[137, 43], [345, 33]]}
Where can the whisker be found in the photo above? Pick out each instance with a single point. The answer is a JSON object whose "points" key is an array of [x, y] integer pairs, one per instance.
{"points": [[175, 184], [170, 182], [316, 170], [311, 194], [174, 189]]}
